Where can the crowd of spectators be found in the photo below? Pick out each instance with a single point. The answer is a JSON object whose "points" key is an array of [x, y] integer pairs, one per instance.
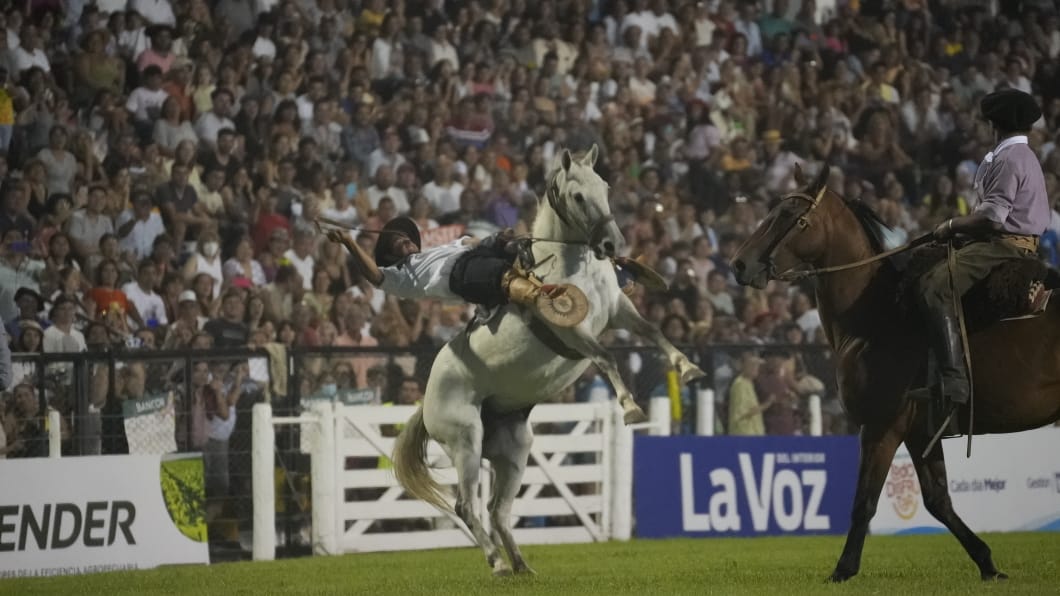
{"points": [[164, 160]]}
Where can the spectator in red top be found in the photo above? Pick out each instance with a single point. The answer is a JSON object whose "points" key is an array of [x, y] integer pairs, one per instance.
{"points": [[266, 221]]}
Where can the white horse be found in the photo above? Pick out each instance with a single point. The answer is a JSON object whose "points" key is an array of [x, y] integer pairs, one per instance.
{"points": [[509, 369]]}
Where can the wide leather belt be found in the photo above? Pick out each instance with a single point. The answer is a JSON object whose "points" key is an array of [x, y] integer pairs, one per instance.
{"points": [[1027, 243]]}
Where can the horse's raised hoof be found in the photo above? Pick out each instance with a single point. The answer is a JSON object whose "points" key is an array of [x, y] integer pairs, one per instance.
{"points": [[634, 416], [994, 576], [692, 373], [524, 569]]}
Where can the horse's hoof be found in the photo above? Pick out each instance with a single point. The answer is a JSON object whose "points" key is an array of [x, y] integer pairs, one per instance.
{"points": [[994, 576], [692, 373], [635, 416], [502, 572], [839, 577], [525, 570]]}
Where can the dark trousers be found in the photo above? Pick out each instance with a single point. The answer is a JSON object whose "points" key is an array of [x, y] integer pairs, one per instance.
{"points": [[476, 277], [975, 261]]}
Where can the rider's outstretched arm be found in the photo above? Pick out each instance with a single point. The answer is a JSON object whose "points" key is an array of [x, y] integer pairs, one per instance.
{"points": [[364, 262]]}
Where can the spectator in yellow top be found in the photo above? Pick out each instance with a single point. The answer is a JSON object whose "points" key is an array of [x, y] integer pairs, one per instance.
{"points": [[7, 110], [745, 413]]}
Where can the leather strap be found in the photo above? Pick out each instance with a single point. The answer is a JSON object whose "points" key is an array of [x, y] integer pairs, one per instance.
{"points": [[545, 334], [958, 305]]}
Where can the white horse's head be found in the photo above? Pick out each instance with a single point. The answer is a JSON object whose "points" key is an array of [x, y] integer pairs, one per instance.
{"points": [[577, 195]]}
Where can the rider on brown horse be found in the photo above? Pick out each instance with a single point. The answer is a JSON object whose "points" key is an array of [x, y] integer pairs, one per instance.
{"points": [[1012, 213]]}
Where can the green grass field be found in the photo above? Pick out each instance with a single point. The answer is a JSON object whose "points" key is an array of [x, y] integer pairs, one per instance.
{"points": [[893, 566]]}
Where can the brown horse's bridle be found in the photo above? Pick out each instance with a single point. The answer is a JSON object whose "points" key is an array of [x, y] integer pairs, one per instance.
{"points": [[803, 222]]}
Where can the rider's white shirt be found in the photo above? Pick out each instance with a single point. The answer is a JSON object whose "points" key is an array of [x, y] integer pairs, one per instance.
{"points": [[425, 274]]}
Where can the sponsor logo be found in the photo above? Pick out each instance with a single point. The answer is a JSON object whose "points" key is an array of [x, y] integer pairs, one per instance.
{"points": [[903, 489], [1039, 482], [995, 485], [789, 498], [61, 525]]}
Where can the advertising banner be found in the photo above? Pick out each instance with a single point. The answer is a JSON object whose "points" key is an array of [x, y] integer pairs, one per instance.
{"points": [[150, 425], [1011, 483], [743, 486], [89, 514]]}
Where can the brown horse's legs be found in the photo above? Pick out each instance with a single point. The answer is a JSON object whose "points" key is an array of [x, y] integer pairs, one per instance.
{"points": [[877, 452], [934, 487]]}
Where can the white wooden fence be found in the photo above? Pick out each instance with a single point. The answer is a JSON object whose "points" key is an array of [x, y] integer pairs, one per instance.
{"points": [[578, 481]]}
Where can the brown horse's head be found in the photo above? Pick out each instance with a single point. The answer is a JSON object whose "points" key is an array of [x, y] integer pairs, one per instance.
{"points": [[792, 233]]}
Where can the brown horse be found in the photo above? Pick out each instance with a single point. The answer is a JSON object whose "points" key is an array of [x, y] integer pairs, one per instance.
{"points": [[881, 351]]}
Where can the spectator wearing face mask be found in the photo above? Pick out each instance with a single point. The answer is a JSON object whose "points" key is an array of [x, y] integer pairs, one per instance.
{"points": [[206, 259]]}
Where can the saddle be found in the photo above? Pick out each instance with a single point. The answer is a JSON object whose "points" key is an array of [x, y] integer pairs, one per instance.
{"points": [[1015, 290]]}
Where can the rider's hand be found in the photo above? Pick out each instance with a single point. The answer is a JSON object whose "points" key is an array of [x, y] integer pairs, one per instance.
{"points": [[944, 231], [336, 236]]}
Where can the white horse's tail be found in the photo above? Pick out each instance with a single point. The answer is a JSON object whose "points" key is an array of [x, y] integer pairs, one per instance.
{"points": [[410, 463]]}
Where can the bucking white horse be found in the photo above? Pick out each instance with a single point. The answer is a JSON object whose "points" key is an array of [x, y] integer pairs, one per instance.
{"points": [[483, 383]]}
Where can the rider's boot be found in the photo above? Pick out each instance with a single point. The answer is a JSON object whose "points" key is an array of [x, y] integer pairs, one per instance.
{"points": [[949, 353], [525, 292]]}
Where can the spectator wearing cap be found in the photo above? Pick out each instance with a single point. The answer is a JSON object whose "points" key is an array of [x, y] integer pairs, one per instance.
{"points": [[161, 52], [189, 313], [139, 226], [88, 225], [211, 123]]}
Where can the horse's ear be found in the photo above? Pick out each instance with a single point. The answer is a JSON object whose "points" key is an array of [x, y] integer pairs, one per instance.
{"points": [[565, 160], [800, 179], [591, 156], [821, 180]]}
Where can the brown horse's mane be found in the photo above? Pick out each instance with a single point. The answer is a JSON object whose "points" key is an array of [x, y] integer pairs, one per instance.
{"points": [[870, 222]]}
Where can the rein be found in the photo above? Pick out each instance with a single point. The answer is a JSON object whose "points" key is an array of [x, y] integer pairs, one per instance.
{"points": [[796, 274]]}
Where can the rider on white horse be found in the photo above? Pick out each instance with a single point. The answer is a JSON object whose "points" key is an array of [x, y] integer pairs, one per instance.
{"points": [[467, 269]]}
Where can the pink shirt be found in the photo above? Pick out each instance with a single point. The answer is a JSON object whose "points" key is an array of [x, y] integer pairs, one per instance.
{"points": [[150, 57]]}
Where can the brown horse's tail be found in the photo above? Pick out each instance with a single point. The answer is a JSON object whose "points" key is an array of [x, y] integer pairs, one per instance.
{"points": [[410, 463]]}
